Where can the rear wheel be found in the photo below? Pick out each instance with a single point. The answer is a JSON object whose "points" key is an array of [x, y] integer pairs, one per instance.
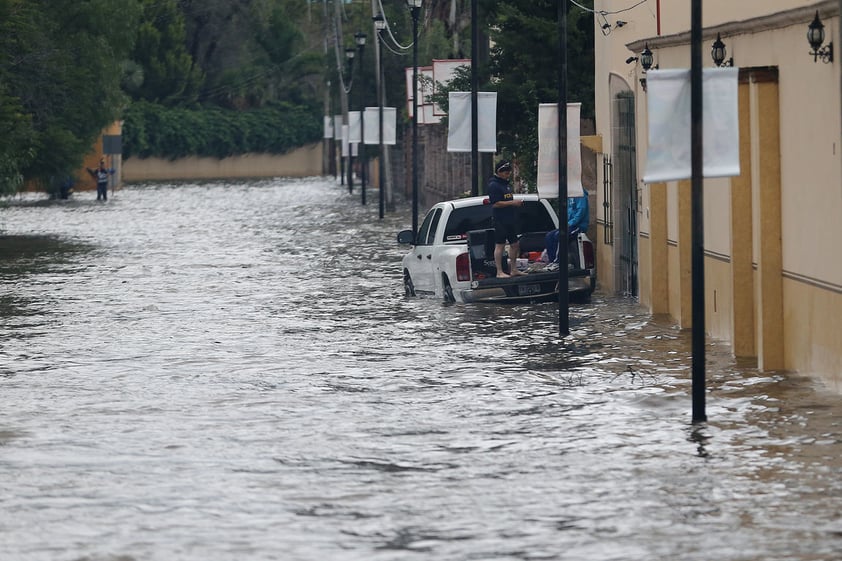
{"points": [[447, 290], [408, 287]]}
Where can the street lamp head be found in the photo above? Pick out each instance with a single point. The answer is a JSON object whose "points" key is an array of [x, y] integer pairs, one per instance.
{"points": [[349, 53], [379, 22], [414, 3], [359, 37], [718, 52], [646, 58], [815, 33]]}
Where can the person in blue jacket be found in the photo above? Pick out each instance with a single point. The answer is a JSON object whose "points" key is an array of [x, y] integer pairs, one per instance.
{"points": [[578, 219], [578, 215]]}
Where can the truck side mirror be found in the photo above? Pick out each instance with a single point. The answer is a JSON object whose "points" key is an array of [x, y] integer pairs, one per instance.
{"points": [[406, 237]]}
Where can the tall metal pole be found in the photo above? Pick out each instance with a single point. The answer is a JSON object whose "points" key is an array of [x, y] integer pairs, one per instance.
{"points": [[563, 240], [474, 101], [697, 213], [415, 10], [349, 54], [380, 24], [360, 38]]}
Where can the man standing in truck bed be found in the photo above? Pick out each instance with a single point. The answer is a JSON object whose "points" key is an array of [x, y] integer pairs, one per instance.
{"points": [[503, 209]]}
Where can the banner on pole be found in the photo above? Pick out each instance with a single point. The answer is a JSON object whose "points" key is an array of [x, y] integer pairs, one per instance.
{"points": [[410, 106], [328, 127], [345, 144], [354, 131], [459, 122], [668, 97], [371, 122], [337, 127], [548, 180]]}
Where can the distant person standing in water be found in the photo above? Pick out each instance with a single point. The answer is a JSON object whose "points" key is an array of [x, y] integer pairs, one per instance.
{"points": [[101, 175]]}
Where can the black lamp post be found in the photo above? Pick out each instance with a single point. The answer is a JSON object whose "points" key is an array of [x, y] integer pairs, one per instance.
{"points": [[414, 9], [563, 277], [646, 60], [380, 25], [349, 55], [359, 37]]}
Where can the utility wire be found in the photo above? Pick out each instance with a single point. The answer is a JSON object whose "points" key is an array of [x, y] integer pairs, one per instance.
{"points": [[606, 12]]}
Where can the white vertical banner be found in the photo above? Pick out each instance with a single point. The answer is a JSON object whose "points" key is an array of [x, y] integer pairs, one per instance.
{"points": [[328, 127], [337, 127], [345, 144], [459, 122], [410, 106], [548, 151], [419, 103], [371, 122], [668, 157], [354, 131]]}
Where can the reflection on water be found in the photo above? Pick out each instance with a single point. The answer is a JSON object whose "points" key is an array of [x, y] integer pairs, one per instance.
{"points": [[230, 371]]}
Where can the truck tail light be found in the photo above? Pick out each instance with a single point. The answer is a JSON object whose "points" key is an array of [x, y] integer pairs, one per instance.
{"points": [[587, 251], [463, 267]]}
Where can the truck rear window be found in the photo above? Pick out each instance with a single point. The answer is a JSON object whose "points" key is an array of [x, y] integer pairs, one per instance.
{"points": [[532, 217]]}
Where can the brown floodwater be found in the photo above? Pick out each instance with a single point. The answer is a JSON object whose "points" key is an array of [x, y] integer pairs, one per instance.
{"points": [[223, 371]]}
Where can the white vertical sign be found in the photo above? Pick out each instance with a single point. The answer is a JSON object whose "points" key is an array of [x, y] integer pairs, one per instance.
{"points": [[372, 125], [337, 127], [459, 122], [548, 151], [354, 127], [668, 157]]}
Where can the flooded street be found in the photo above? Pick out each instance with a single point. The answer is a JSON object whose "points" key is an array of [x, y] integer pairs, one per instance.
{"points": [[231, 371]]}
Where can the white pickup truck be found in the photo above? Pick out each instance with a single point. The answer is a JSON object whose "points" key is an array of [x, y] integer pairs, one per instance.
{"points": [[452, 256]]}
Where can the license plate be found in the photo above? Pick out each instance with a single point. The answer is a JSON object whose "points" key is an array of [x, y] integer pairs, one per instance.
{"points": [[528, 289]]}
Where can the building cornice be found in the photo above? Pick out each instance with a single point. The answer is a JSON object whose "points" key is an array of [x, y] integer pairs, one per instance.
{"points": [[826, 9]]}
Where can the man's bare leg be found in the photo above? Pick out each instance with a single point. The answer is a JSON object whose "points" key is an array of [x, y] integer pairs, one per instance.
{"points": [[498, 260], [514, 253]]}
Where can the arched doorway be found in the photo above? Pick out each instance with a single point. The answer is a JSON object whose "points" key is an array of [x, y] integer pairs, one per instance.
{"points": [[624, 193]]}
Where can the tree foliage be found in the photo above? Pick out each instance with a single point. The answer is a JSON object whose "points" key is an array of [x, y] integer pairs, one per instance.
{"points": [[523, 69], [60, 74], [68, 68], [168, 73], [151, 130], [254, 52]]}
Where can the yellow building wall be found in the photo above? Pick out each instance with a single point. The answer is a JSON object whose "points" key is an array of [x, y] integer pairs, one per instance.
{"points": [[84, 180], [674, 282], [644, 276], [718, 298], [813, 331], [302, 162], [802, 210]]}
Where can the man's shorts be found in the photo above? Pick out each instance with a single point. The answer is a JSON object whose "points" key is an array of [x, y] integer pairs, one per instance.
{"points": [[504, 233]]}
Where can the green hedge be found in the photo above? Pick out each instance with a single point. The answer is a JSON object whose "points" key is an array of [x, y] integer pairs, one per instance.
{"points": [[151, 130]]}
